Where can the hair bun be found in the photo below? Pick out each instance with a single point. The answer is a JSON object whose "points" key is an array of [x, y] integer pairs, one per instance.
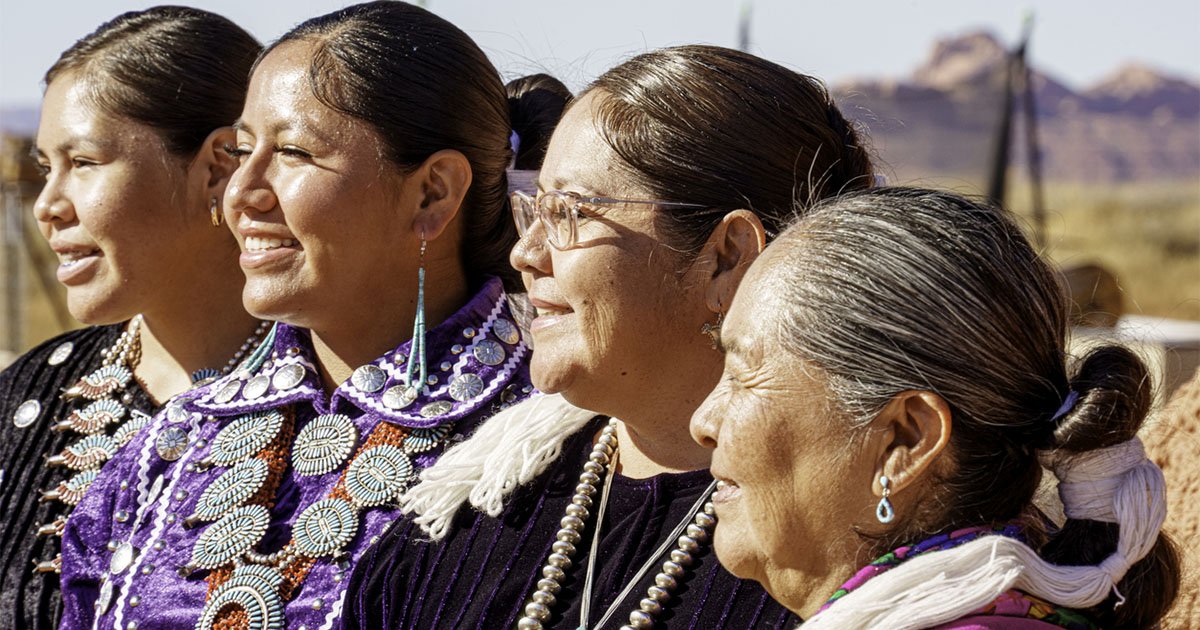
{"points": [[1114, 395]]}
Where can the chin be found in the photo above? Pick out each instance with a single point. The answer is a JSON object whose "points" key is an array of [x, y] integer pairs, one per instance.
{"points": [[735, 554], [98, 307]]}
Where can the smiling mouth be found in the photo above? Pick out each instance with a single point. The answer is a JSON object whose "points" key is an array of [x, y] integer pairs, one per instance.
{"points": [[726, 491], [258, 244], [552, 311], [70, 259]]}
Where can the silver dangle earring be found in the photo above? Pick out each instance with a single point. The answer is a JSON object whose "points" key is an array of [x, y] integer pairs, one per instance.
{"points": [[884, 511], [416, 354], [713, 330], [215, 213]]}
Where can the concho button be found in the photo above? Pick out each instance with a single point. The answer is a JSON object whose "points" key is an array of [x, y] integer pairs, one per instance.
{"points": [[227, 392], [121, 559], [231, 489], [288, 377], [465, 387], [171, 443], [27, 413], [256, 387], [489, 352], [368, 378], [244, 437], [61, 353], [235, 534], [176, 412], [378, 475], [437, 408], [506, 331], [323, 444], [399, 396], [325, 527]]}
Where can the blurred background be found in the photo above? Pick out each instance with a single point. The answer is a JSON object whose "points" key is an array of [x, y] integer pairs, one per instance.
{"points": [[946, 90]]}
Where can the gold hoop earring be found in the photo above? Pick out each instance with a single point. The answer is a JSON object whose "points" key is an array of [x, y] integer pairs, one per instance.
{"points": [[215, 213]]}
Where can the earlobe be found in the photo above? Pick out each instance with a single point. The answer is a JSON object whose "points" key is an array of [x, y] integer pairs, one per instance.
{"points": [[444, 179], [731, 248], [917, 430]]}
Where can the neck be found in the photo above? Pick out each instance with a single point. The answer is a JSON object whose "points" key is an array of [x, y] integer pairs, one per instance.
{"points": [[357, 336], [190, 335], [653, 444]]}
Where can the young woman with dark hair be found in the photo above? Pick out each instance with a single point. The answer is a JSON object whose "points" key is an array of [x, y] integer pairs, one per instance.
{"points": [[371, 206], [896, 378], [662, 182], [131, 139]]}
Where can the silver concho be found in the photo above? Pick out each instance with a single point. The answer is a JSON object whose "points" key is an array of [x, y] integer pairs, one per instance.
{"points": [[61, 353], [399, 396], [255, 590], [27, 413], [436, 408], [136, 422], [244, 437], [171, 443], [227, 392], [176, 412], [421, 440], [489, 352], [378, 475], [256, 387], [369, 378], [231, 489], [325, 527], [323, 444], [121, 558], [235, 534], [288, 377], [465, 387], [506, 331]]}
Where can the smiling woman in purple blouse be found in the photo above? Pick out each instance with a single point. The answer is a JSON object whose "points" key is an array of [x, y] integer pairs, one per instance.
{"points": [[371, 208], [661, 183]]}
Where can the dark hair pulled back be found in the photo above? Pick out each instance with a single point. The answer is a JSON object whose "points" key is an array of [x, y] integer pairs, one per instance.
{"points": [[536, 103], [726, 129], [179, 70], [424, 86], [897, 289]]}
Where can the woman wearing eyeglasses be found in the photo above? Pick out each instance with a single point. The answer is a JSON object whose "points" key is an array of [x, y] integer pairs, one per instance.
{"points": [[661, 184]]}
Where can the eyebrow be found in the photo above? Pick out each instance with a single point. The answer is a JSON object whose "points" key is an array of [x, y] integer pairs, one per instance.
{"points": [[73, 142]]}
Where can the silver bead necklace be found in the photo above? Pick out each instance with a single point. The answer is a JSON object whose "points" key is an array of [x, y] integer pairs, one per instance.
{"points": [[689, 535]]}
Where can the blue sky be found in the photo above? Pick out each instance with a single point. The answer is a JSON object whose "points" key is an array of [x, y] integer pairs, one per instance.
{"points": [[1075, 40]]}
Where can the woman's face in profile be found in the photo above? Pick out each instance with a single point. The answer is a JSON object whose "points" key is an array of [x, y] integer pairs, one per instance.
{"points": [[794, 485], [614, 310], [119, 210], [315, 204]]}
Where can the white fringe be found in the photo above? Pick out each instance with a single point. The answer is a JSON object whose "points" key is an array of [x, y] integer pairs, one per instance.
{"points": [[1116, 483], [507, 450]]}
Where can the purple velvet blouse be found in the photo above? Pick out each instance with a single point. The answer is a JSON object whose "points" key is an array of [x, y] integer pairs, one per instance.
{"points": [[479, 339]]}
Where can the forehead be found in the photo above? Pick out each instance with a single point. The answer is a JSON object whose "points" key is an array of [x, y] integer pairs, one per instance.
{"points": [[578, 157], [70, 119]]}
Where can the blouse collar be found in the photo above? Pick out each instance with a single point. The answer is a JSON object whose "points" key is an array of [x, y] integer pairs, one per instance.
{"points": [[472, 356]]}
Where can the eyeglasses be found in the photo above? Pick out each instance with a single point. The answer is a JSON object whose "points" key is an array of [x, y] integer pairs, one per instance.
{"points": [[559, 212]]}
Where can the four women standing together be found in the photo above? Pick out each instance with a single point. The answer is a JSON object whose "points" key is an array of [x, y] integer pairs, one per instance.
{"points": [[367, 182]]}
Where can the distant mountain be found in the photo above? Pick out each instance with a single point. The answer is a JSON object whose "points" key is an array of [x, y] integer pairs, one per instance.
{"points": [[1137, 124], [19, 121]]}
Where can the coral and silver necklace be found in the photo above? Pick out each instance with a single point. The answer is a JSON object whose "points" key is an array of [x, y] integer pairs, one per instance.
{"points": [[689, 536]]}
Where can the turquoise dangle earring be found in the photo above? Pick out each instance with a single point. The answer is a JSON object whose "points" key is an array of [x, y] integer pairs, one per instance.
{"points": [[416, 354], [884, 511]]}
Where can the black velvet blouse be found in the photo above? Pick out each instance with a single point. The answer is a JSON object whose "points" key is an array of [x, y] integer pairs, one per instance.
{"points": [[482, 573], [29, 600]]}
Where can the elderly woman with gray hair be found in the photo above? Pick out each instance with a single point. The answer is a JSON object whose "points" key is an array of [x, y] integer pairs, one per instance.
{"points": [[895, 379]]}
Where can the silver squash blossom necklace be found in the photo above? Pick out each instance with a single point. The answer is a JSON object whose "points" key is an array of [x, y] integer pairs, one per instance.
{"points": [[689, 536]]}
